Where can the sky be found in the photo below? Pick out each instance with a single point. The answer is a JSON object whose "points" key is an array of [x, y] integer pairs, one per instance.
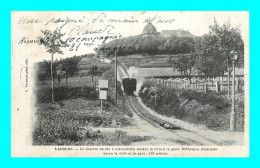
{"points": [[79, 25]]}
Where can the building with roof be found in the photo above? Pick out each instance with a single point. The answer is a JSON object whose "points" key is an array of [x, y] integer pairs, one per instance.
{"points": [[150, 30], [179, 32], [172, 72]]}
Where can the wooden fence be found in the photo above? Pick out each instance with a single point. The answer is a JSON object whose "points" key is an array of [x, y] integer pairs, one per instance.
{"points": [[200, 86]]}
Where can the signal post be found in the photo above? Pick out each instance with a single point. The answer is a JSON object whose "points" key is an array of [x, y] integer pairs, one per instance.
{"points": [[102, 87]]}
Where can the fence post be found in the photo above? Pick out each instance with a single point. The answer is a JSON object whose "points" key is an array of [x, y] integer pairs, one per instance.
{"points": [[205, 88], [217, 86], [237, 85]]}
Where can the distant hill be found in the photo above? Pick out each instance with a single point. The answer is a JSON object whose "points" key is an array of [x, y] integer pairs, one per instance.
{"points": [[151, 42], [150, 45], [85, 64]]}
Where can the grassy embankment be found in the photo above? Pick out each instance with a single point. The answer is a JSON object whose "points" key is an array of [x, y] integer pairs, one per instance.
{"points": [[211, 110]]}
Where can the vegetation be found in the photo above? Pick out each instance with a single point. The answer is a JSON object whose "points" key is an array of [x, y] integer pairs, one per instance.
{"points": [[53, 44], [60, 125], [211, 109], [185, 64], [150, 45], [212, 50], [43, 95], [78, 106], [93, 72], [65, 67]]}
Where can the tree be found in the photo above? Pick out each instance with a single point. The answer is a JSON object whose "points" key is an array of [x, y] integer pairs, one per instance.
{"points": [[151, 45], [53, 44], [209, 61], [179, 44], [185, 64], [70, 66], [93, 72], [213, 49], [44, 70], [229, 38]]}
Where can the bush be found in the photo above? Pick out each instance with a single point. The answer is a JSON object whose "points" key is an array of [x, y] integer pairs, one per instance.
{"points": [[64, 93], [167, 102], [211, 98], [209, 109]]}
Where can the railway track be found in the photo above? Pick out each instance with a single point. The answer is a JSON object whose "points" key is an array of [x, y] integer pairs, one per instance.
{"points": [[157, 122]]}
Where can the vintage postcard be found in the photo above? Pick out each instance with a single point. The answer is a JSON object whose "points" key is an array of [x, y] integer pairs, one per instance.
{"points": [[130, 84]]}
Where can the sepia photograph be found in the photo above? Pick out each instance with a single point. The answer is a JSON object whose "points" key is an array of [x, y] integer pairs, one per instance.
{"points": [[130, 84]]}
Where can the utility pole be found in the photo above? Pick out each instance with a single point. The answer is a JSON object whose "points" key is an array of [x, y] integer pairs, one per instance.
{"points": [[52, 80], [233, 56], [233, 112], [116, 74], [229, 82]]}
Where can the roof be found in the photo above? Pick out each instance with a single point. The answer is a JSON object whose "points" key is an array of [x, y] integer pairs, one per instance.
{"points": [[149, 72], [156, 72], [149, 29], [168, 33]]}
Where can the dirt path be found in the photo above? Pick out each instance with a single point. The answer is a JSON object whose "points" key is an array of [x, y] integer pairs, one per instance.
{"points": [[159, 136]]}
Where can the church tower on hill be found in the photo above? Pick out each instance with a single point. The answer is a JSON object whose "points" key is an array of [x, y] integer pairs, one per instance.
{"points": [[149, 30]]}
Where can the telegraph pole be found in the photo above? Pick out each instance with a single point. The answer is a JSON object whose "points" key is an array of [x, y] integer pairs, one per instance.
{"points": [[116, 74]]}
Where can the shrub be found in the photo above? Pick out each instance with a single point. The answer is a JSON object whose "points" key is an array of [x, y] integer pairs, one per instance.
{"points": [[211, 98], [167, 102], [43, 95], [209, 109]]}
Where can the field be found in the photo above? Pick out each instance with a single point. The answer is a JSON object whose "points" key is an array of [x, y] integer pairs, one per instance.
{"points": [[76, 81], [62, 124]]}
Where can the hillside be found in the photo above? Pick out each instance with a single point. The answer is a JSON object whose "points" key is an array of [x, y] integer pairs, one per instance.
{"points": [[85, 64], [149, 45]]}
